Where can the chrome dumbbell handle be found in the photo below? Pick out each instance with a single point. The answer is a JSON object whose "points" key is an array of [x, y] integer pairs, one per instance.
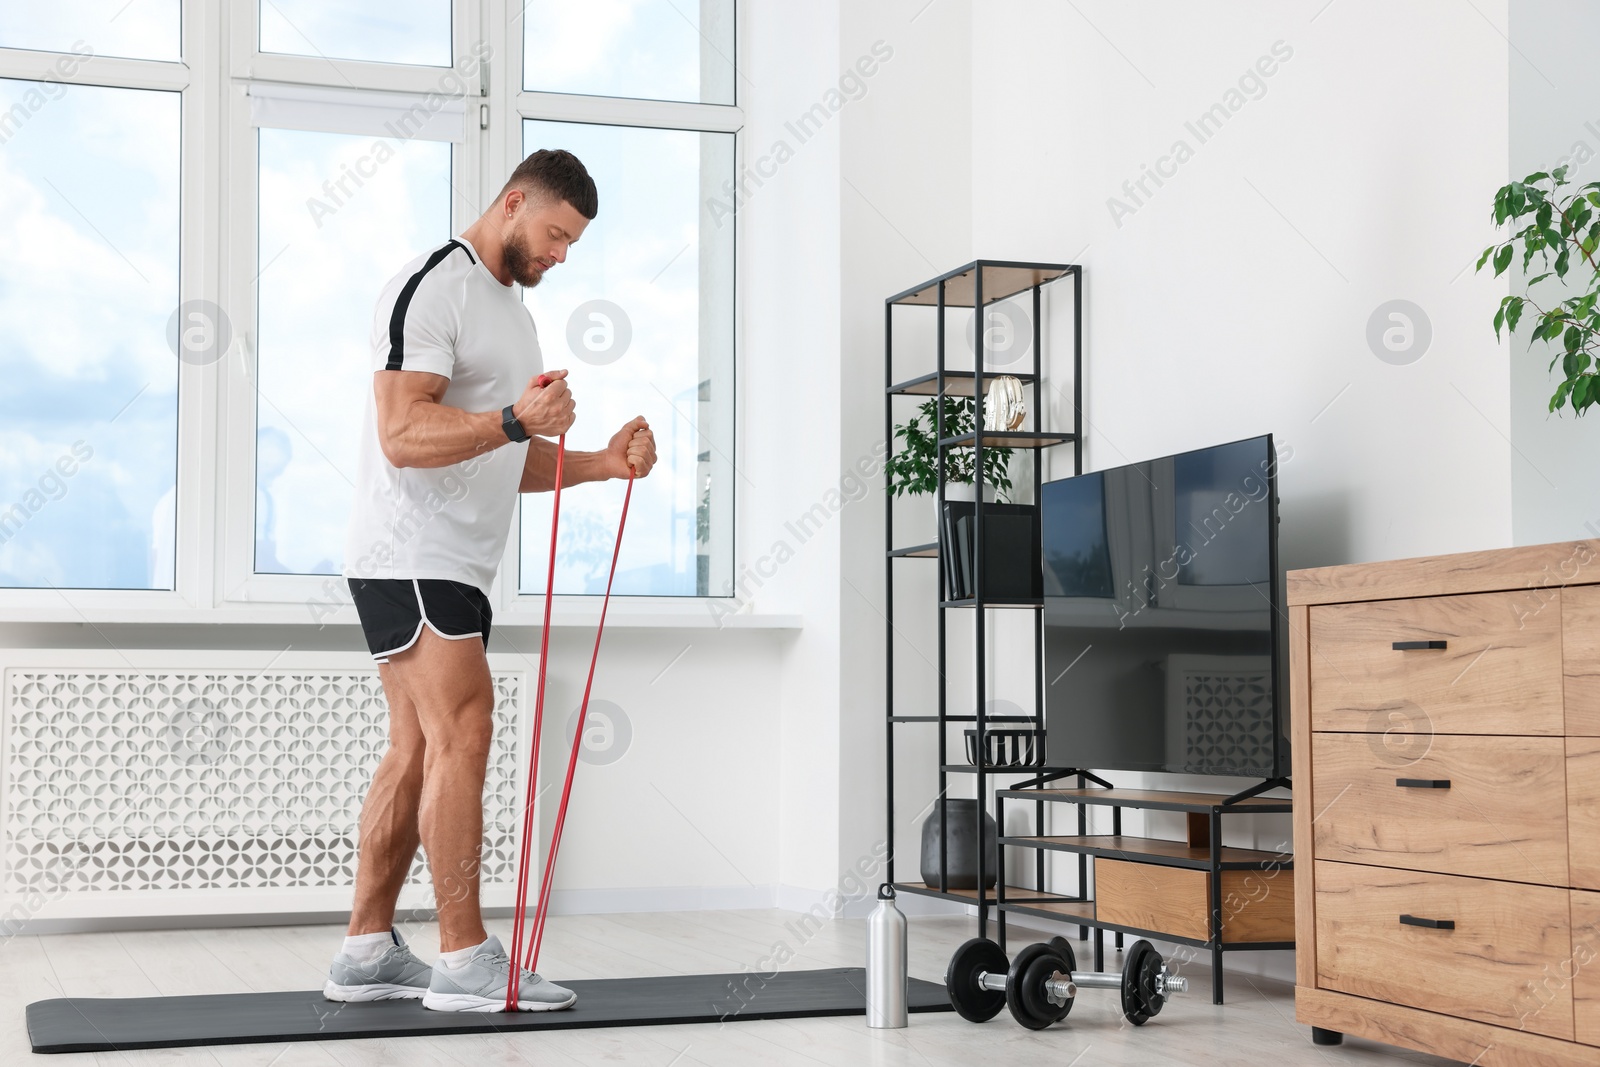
{"points": [[1058, 990]]}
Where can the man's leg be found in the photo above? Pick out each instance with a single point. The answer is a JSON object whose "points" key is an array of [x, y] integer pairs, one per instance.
{"points": [[389, 835], [448, 685]]}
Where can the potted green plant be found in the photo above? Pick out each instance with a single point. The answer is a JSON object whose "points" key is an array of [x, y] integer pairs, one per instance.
{"points": [[1563, 230], [914, 469], [1011, 568]]}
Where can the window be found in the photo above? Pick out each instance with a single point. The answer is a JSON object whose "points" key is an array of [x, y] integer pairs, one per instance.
{"points": [[650, 49], [88, 416], [142, 29], [642, 316], [187, 347], [322, 258], [393, 31]]}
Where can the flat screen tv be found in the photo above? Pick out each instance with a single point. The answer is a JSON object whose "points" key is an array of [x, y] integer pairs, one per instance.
{"points": [[1163, 616]]}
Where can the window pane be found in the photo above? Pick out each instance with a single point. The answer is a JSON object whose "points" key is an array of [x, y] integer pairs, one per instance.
{"points": [[642, 315], [329, 240], [140, 29], [651, 49], [88, 415], [394, 31]]}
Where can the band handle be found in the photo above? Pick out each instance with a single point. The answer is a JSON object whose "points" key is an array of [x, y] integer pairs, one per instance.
{"points": [[1408, 646], [1422, 783], [543, 381], [1428, 924]]}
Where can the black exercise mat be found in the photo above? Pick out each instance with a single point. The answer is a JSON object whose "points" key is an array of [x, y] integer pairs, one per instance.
{"points": [[110, 1025]]}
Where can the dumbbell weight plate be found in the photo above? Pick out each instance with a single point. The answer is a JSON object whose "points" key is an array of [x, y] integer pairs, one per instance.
{"points": [[1025, 994], [1063, 948], [972, 1002], [1140, 999]]}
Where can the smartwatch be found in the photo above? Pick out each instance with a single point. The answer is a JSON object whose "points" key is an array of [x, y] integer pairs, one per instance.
{"points": [[509, 423]]}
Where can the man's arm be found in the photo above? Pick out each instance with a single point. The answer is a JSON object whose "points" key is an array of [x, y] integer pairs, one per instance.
{"points": [[632, 446], [416, 429]]}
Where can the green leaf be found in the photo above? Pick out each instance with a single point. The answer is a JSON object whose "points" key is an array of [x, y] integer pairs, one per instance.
{"points": [[1499, 317], [1538, 176], [1560, 174], [1502, 259], [1561, 262], [1571, 341], [1537, 280], [1542, 218], [1519, 199], [1487, 252], [1514, 312]]}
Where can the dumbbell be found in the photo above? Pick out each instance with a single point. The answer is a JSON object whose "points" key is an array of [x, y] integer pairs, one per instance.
{"points": [[1040, 984]]}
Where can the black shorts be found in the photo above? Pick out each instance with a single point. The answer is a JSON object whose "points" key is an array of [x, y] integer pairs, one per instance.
{"points": [[393, 612]]}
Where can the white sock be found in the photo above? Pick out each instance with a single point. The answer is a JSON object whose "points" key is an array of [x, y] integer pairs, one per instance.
{"points": [[458, 959], [365, 948]]}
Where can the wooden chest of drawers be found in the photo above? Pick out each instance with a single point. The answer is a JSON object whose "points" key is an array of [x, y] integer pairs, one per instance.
{"points": [[1446, 727]]}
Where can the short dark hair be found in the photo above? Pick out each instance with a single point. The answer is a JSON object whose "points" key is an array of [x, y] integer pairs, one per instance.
{"points": [[559, 173]]}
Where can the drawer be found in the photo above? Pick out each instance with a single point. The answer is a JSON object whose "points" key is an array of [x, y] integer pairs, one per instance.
{"points": [[1499, 965], [1580, 650], [1583, 811], [1499, 672], [1585, 967], [1501, 814], [1257, 906]]}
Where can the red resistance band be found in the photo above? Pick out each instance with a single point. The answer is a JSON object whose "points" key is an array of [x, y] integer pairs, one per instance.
{"points": [[536, 935]]}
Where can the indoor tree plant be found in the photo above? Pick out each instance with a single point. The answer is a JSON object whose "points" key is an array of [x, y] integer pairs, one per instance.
{"points": [[915, 468], [1563, 230]]}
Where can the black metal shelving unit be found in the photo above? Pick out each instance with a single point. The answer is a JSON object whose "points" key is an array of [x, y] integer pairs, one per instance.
{"points": [[978, 285], [1213, 857]]}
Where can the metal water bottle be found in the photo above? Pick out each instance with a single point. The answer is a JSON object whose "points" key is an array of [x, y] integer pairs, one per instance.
{"points": [[886, 963]]}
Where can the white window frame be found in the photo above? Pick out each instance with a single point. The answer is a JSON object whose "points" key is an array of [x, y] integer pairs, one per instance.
{"points": [[215, 579]]}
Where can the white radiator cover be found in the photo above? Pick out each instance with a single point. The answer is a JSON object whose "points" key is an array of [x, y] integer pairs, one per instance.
{"points": [[142, 783]]}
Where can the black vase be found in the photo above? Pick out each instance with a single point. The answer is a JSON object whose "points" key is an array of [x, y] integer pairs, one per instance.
{"points": [[961, 852]]}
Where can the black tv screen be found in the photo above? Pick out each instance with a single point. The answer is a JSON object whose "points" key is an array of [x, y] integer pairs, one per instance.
{"points": [[1162, 615]]}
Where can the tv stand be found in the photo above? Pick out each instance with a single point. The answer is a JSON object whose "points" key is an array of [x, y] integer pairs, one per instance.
{"points": [[1258, 789], [1195, 892]]}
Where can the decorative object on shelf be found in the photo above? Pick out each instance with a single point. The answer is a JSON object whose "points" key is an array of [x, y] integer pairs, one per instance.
{"points": [[1004, 408], [915, 468], [961, 849], [1006, 748], [1560, 230], [886, 963]]}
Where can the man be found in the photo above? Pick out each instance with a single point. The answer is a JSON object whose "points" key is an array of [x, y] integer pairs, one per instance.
{"points": [[453, 432]]}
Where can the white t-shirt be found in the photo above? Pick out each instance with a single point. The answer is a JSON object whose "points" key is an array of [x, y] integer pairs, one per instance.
{"points": [[446, 314]]}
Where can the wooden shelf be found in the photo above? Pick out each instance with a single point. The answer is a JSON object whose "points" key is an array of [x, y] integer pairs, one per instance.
{"points": [[1017, 893], [1009, 439], [1153, 850], [1154, 800], [1001, 279], [956, 383]]}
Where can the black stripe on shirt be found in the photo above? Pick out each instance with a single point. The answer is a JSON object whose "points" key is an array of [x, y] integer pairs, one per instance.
{"points": [[397, 320]]}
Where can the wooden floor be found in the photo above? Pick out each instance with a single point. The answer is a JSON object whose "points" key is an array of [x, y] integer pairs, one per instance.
{"points": [[1256, 1027]]}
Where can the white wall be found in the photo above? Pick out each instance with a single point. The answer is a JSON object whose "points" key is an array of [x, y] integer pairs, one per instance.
{"points": [[1235, 300], [1555, 488], [1229, 301]]}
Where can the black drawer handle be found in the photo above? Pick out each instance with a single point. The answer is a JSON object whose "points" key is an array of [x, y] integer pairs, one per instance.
{"points": [[1430, 924], [1422, 783], [1412, 646]]}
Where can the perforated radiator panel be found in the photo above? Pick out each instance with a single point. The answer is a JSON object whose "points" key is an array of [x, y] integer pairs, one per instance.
{"points": [[143, 779]]}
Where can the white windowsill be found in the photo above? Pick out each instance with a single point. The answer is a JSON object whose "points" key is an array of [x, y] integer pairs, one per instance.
{"points": [[575, 612]]}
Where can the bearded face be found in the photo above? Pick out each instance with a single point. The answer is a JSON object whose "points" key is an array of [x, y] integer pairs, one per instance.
{"points": [[526, 269]]}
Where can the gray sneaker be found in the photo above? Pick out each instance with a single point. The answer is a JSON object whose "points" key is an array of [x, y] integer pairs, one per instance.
{"points": [[395, 975], [480, 985]]}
